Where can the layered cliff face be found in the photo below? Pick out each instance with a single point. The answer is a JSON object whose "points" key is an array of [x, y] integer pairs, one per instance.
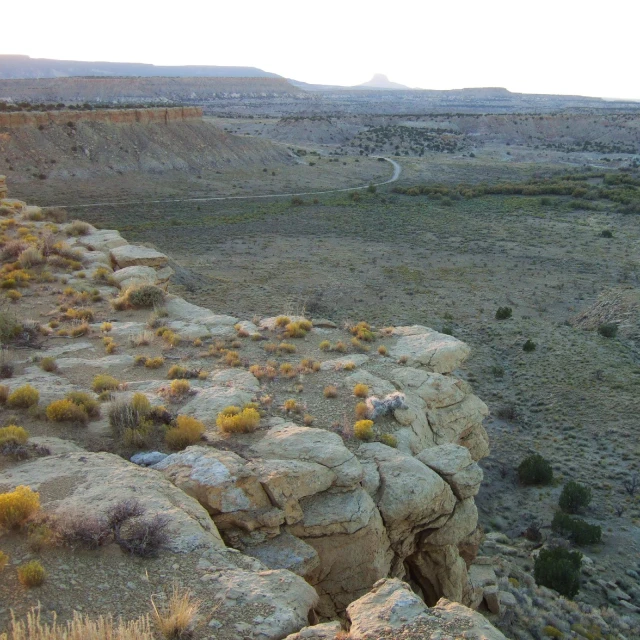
{"points": [[306, 506], [86, 144], [107, 116]]}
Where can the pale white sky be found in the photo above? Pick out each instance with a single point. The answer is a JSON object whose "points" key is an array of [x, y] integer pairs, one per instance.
{"points": [[548, 46]]}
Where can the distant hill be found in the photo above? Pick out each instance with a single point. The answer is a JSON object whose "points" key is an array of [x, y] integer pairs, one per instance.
{"points": [[135, 90], [18, 66], [380, 81]]}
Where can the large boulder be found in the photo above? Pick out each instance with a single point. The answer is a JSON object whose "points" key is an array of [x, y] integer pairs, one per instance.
{"points": [[102, 240], [292, 442], [222, 482], [425, 347], [348, 533], [210, 401], [392, 610], [455, 464], [411, 497], [133, 255], [89, 484]]}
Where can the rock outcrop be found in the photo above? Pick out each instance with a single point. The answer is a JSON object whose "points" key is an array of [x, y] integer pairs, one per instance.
{"points": [[109, 116], [303, 517]]}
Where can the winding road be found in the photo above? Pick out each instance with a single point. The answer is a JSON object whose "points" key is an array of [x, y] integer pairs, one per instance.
{"points": [[397, 170]]}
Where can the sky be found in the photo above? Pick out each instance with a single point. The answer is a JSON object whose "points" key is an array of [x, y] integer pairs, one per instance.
{"points": [[559, 46]]}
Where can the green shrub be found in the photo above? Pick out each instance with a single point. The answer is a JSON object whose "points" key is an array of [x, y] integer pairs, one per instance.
{"points": [[504, 313], [558, 569], [608, 329], [144, 296], [576, 529], [574, 497], [534, 469], [606, 233], [529, 346], [23, 397]]}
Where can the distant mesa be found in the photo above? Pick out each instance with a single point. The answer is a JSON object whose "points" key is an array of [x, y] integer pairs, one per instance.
{"points": [[380, 81], [19, 66]]}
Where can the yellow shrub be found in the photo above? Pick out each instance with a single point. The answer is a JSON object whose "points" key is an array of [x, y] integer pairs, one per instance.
{"points": [[13, 435], [305, 325], [140, 403], [340, 347], [282, 321], [17, 506], [103, 382], [290, 405], [244, 421], [31, 574], [295, 330], [308, 419], [361, 390], [176, 372], [187, 431], [325, 345], [389, 440], [66, 411], [270, 347], [23, 397], [287, 347], [4, 559], [361, 410], [154, 363], [330, 391], [14, 295], [382, 350], [170, 338], [80, 330], [349, 366], [48, 364], [232, 359], [287, 370], [105, 327], [179, 388], [86, 401], [363, 430]]}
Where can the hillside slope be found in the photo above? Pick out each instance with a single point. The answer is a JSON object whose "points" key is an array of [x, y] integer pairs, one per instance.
{"points": [[18, 66], [91, 148]]}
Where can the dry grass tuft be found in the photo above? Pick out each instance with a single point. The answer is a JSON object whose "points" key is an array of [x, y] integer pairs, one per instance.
{"points": [[80, 628], [176, 618]]}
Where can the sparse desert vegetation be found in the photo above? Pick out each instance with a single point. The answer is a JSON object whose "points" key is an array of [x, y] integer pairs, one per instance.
{"points": [[530, 262]]}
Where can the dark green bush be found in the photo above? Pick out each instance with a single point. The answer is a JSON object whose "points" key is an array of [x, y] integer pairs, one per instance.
{"points": [[529, 346], [607, 234], [504, 313], [574, 497], [608, 329], [558, 569], [576, 529], [534, 469]]}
